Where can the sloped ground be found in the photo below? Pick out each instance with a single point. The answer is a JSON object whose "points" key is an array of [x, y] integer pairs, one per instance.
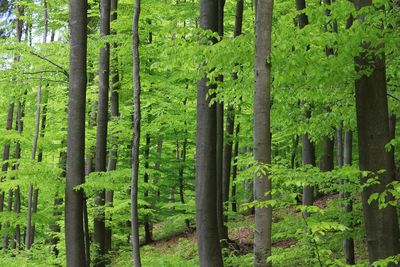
{"points": [[178, 247]]}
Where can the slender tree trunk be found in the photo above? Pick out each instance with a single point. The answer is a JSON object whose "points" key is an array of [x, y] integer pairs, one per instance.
{"points": [[235, 168], [157, 168], [206, 158], [308, 150], [57, 204], [101, 133], [136, 136], [17, 202], [7, 146], [373, 135], [74, 235], [348, 243], [222, 230], [230, 125], [6, 157], [31, 199], [113, 154], [392, 135], [182, 163], [148, 235], [262, 131]]}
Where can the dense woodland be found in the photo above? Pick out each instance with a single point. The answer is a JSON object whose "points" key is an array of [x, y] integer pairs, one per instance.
{"points": [[199, 133]]}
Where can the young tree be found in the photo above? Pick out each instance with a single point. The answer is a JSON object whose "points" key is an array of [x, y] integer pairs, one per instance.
{"points": [[136, 136], [262, 131], [74, 236]]}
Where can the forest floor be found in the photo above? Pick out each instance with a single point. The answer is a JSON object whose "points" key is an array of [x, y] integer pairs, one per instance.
{"points": [[177, 247]]}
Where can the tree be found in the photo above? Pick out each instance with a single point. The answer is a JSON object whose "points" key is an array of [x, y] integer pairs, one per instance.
{"points": [[206, 159], [113, 153], [373, 135], [262, 131], [308, 148], [230, 127], [99, 235], [74, 237], [136, 135]]}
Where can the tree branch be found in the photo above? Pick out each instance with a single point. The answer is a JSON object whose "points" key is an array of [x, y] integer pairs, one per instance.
{"points": [[392, 96], [64, 71], [43, 71]]}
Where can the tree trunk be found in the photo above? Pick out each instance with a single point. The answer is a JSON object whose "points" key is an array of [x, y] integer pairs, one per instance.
{"points": [[17, 203], [6, 148], [74, 235], [113, 154], [230, 125], [182, 163], [157, 168], [392, 135], [348, 243], [262, 131], [31, 199], [136, 136], [222, 230], [308, 152], [101, 133], [373, 135], [234, 168], [6, 157], [206, 158], [148, 235]]}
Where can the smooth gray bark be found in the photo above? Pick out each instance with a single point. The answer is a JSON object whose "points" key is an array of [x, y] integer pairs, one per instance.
{"points": [[206, 159], [99, 237], [74, 235], [262, 130]]}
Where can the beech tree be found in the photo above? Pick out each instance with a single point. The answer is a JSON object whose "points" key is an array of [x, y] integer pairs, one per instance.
{"points": [[99, 236], [373, 135], [206, 157], [262, 132], [74, 238]]}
